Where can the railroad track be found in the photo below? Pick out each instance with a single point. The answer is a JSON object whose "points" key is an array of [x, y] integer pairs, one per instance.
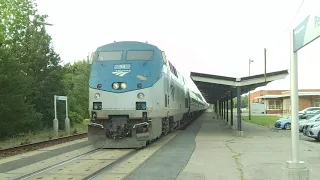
{"points": [[108, 167], [95, 164], [102, 160], [38, 145]]}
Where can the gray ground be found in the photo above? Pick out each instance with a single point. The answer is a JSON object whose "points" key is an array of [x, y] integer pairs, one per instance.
{"points": [[5, 167], [171, 158], [272, 148], [259, 154]]}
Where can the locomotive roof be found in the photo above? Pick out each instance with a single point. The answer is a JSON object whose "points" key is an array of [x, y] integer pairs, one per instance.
{"points": [[127, 45]]}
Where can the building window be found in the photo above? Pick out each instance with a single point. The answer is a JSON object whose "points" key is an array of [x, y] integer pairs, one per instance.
{"points": [[274, 104], [317, 102]]}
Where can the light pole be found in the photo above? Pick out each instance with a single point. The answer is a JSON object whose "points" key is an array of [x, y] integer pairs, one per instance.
{"points": [[250, 61]]}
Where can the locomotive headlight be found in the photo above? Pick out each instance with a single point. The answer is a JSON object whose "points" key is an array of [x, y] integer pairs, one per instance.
{"points": [[115, 85], [123, 85], [140, 95], [96, 95]]}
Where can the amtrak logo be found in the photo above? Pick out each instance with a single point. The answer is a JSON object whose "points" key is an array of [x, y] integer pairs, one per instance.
{"points": [[121, 73]]}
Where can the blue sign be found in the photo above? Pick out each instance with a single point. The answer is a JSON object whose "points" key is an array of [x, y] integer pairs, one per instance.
{"points": [[306, 32]]}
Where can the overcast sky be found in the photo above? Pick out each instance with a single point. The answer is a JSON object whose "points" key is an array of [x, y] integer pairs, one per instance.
{"points": [[206, 36]]}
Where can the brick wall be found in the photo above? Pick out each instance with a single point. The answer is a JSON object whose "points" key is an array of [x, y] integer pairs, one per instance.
{"points": [[273, 111], [304, 102], [253, 95]]}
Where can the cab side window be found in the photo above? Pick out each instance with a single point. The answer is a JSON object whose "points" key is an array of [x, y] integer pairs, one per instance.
{"points": [[164, 58], [173, 69]]}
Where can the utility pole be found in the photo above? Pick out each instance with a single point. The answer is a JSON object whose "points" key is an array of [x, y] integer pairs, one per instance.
{"points": [[249, 107], [265, 65], [265, 74]]}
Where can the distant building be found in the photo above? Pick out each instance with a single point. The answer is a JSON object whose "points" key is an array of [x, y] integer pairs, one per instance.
{"points": [[278, 101]]}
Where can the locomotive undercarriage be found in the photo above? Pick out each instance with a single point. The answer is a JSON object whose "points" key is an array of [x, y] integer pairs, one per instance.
{"points": [[120, 132], [123, 132]]}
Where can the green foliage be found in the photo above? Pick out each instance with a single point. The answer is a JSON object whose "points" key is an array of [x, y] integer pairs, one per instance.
{"points": [[86, 121], [31, 74], [16, 111], [244, 101], [76, 83]]}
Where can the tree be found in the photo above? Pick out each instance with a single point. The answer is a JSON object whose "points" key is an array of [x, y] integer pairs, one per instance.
{"points": [[30, 74], [42, 64], [16, 111], [244, 101], [76, 84]]}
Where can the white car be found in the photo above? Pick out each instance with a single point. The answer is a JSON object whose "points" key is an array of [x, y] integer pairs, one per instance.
{"points": [[309, 109], [313, 131], [303, 123]]}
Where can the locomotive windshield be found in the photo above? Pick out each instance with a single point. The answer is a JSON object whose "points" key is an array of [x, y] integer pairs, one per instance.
{"points": [[139, 55], [109, 56]]}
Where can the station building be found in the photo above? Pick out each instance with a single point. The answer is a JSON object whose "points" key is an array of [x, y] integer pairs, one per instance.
{"points": [[278, 101]]}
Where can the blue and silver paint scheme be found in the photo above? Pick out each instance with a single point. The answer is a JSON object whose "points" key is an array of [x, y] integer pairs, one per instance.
{"points": [[124, 67], [132, 85], [138, 74]]}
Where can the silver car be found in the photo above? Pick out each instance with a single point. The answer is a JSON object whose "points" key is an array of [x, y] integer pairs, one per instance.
{"points": [[303, 123], [305, 127], [309, 109], [313, 131], [309, 114]]}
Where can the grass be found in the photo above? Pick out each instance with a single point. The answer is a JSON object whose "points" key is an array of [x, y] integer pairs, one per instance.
{"points": [[262, 120], [41, 136]]}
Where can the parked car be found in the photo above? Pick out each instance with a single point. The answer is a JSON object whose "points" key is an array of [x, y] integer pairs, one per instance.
{"points": [[313, 131], [309, 109], [305, 127], [310, 114], [285, 123], [303, 123]]}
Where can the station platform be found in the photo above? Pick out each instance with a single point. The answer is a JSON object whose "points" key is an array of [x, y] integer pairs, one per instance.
{"points": [[259, 154]]}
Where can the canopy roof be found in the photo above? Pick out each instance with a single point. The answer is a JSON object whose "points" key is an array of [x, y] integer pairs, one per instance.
{"points": [[214, 87]]}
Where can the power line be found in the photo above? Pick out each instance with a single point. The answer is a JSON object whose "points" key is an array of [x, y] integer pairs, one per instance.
{"points": [[288, 27], [294, 17]]}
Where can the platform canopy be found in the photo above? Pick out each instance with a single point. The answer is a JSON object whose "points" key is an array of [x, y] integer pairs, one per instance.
{"points": [[215, 87]]}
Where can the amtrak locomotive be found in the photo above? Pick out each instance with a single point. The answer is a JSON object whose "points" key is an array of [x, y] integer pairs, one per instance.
{"points": [[136, 95]]}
